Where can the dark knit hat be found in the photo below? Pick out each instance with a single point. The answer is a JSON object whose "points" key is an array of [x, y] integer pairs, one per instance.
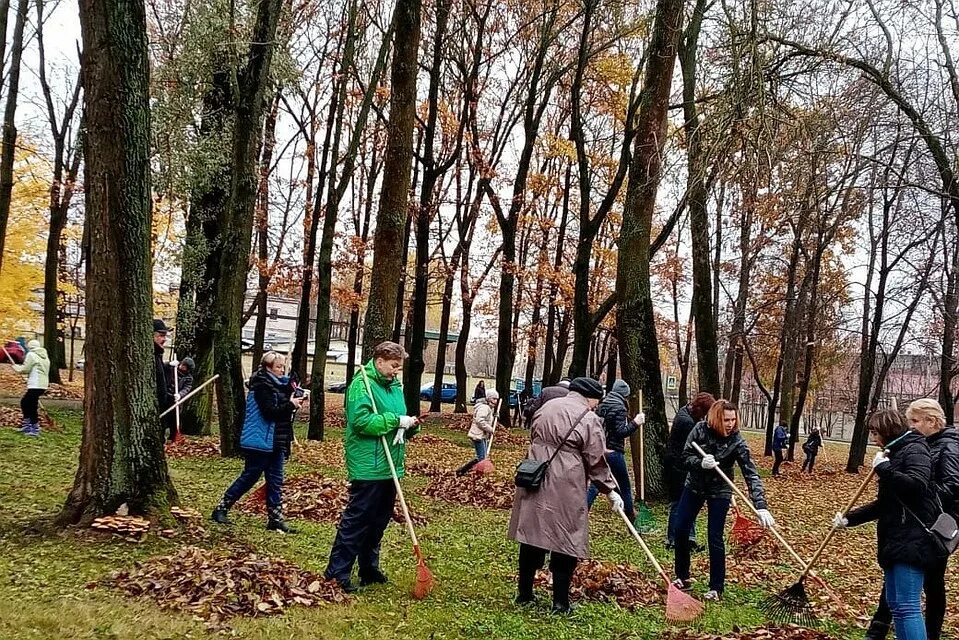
{"points": [[159, 326], [587, 387]]}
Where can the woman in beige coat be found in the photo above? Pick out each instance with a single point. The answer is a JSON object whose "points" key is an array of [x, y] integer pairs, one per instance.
{"points": [[482, 428], [554, 519]]}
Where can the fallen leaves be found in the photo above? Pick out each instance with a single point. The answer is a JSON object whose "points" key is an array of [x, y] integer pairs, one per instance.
{"points": [[787, 632], [16, 384], [11, 417], [313, 497], [472, 490], [601, 581], [189, 447], [216, 585]]}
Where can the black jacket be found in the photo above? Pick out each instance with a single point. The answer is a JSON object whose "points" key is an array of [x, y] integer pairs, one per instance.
{"points": [[616, 421], [727, 451], [812, 444], [904, 481], [164, 378], [683, 424], [944, 447], [547, 394], [273, 399]]}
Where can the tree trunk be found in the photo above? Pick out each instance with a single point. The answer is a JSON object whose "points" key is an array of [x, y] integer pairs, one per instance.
{"points": [[121, 454], [391, 218], [635, 325], [947, 363], [552, 368], [262, 230], [9, 149]]}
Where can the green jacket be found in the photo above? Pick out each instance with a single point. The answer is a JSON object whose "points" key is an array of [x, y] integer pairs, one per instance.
{"points": [[365, 459], [37, 368]]}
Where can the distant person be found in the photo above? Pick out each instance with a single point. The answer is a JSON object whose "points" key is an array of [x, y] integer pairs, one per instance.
{"points": [[811, 449], [618, 427], [164, 373], [779, 443], [179, 386], [480, 391], [36, 366], [686, 418], [548, 393], [481, 428], [523, 398]]}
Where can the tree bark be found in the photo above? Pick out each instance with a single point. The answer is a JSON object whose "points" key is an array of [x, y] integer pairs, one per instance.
{"points": [[9, 149], [121, 453], [635, 325], [947, 363]]}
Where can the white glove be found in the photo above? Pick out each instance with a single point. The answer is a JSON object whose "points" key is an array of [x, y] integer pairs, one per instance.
{"points": [[407, 422], [766, 519], [880, 458], [174, 363], [640, 419], [400, 437], [840, 521], [615, 501], [709, 462]]}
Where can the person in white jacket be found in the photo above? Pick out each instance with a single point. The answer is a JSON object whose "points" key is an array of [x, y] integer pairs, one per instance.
{"points": [[36, 366], [482, 428]]}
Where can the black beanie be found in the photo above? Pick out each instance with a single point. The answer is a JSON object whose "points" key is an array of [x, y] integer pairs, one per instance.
{"points": [[587, 387]]}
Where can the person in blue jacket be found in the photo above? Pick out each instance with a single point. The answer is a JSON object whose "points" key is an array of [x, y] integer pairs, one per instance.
{"points": [[265, 440], [779, 443]]}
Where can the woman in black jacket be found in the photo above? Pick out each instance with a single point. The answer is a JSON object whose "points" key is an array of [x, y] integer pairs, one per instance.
{"points": [[811, 449], [926, 417], [905, 501], [719, 437], [618, 427], [270, 407]]}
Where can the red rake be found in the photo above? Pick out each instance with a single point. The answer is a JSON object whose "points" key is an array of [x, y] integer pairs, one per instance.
{"points": [[680, 606], [485, 465], [745, 533]]}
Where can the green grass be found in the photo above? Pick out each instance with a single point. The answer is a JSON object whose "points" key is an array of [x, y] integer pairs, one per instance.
{"points": [[44, 573]]}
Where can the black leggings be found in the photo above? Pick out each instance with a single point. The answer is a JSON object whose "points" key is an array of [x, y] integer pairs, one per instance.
{"points": [[561, 566], [934, 586], [30, 404]]}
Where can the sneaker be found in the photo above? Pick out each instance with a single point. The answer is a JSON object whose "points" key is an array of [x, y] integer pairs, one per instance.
{"points": [[683, 585], [219, 516], [373, 576], [280, 526], [712, 595], [32, 430]]}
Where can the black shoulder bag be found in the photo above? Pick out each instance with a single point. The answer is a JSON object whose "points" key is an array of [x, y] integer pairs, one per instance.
{"points": [[531, 473], [944, 531]]}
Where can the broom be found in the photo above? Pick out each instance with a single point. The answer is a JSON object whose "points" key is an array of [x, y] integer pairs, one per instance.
{"points": [[424, 579], [745, 533], [644, 518], [680, 606]]}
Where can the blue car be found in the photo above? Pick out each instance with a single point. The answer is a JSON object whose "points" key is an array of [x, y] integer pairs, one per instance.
{"points": [[447, 394]]}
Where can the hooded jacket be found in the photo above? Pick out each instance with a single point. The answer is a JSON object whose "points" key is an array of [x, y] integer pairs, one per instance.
{"points": [[365, 459], [944, 447], [184, 380], [616, 422], [36, 366], [484, 421], [904, 481], [269, 414], [728, 451]]}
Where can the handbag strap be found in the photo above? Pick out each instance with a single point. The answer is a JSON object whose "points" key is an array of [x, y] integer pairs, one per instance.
{"points": [[566, 437], [913, 514]]}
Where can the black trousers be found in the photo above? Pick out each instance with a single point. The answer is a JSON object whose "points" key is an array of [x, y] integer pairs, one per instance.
{"points": [[934, 586], [362, 524], [30, 404], [561, 566], [778, 454]]}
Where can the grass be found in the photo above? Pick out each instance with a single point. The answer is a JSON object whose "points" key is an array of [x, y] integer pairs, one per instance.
{"points": [[44, 573]]}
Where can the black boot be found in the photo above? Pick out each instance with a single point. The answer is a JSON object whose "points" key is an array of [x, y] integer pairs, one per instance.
{"points": [[372, 576], [466, 467], [221, 510], [275, 522], [877, 630]]}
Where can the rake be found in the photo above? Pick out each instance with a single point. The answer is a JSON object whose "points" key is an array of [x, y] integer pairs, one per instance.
{"points": [[744, 533], [485, 465], [680, 606], [645, 521]]}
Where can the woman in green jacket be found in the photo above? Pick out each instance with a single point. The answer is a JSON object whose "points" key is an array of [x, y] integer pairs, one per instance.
{"points": [[372, 492]]}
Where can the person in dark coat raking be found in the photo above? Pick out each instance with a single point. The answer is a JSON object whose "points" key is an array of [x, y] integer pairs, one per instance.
{"points": [[926, 417], [811, 449], [725, 447], [686, 418], [905, 501], [618, 427], [267, 434]]}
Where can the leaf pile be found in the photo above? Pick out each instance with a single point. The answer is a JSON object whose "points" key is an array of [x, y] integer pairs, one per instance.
{"points": [[217, 585], [11, 417], [16, 384], [313, 497], [788, 632], [471, 489], [511, 438], [602, 581], [190, 447]]}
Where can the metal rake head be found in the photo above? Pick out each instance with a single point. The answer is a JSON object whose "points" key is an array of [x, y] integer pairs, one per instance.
{"points": [[790, 605]]}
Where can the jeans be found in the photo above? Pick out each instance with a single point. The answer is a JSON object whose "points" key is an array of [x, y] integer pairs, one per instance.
{"points": [[480, 447], [689, 507], [617, 464], [808, 463], [934, 586], [778, 455], [30, 405], [561, 566], [260, 463], [902, 590], [361, 528], [673, 521]]}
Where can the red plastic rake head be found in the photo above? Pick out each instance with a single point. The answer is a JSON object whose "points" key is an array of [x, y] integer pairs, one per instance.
{"points": [[682, 607], [745, 533]]}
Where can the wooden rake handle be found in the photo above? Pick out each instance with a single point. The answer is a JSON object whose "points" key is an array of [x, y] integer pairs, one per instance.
{"points": [[642, 543], [189, 395], [832, 531], [747, 501]]}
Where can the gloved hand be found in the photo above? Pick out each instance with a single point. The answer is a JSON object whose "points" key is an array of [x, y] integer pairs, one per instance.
{"points": [[881, 458], [640, 419], [615, 501], [766, 519], [709, 462], [840, 521], [400, 436], [174, 363], [408, 422]]}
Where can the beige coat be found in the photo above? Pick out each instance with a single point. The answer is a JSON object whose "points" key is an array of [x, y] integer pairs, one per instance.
{"points": [[484, 422], [555, 517]]}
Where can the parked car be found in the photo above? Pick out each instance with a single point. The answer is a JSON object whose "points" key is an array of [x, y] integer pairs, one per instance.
{"points": [[447, 393], [339, 387], [15, 349]]}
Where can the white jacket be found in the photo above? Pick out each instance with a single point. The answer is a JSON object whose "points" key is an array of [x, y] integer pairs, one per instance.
{"points": [[484, 421]]}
